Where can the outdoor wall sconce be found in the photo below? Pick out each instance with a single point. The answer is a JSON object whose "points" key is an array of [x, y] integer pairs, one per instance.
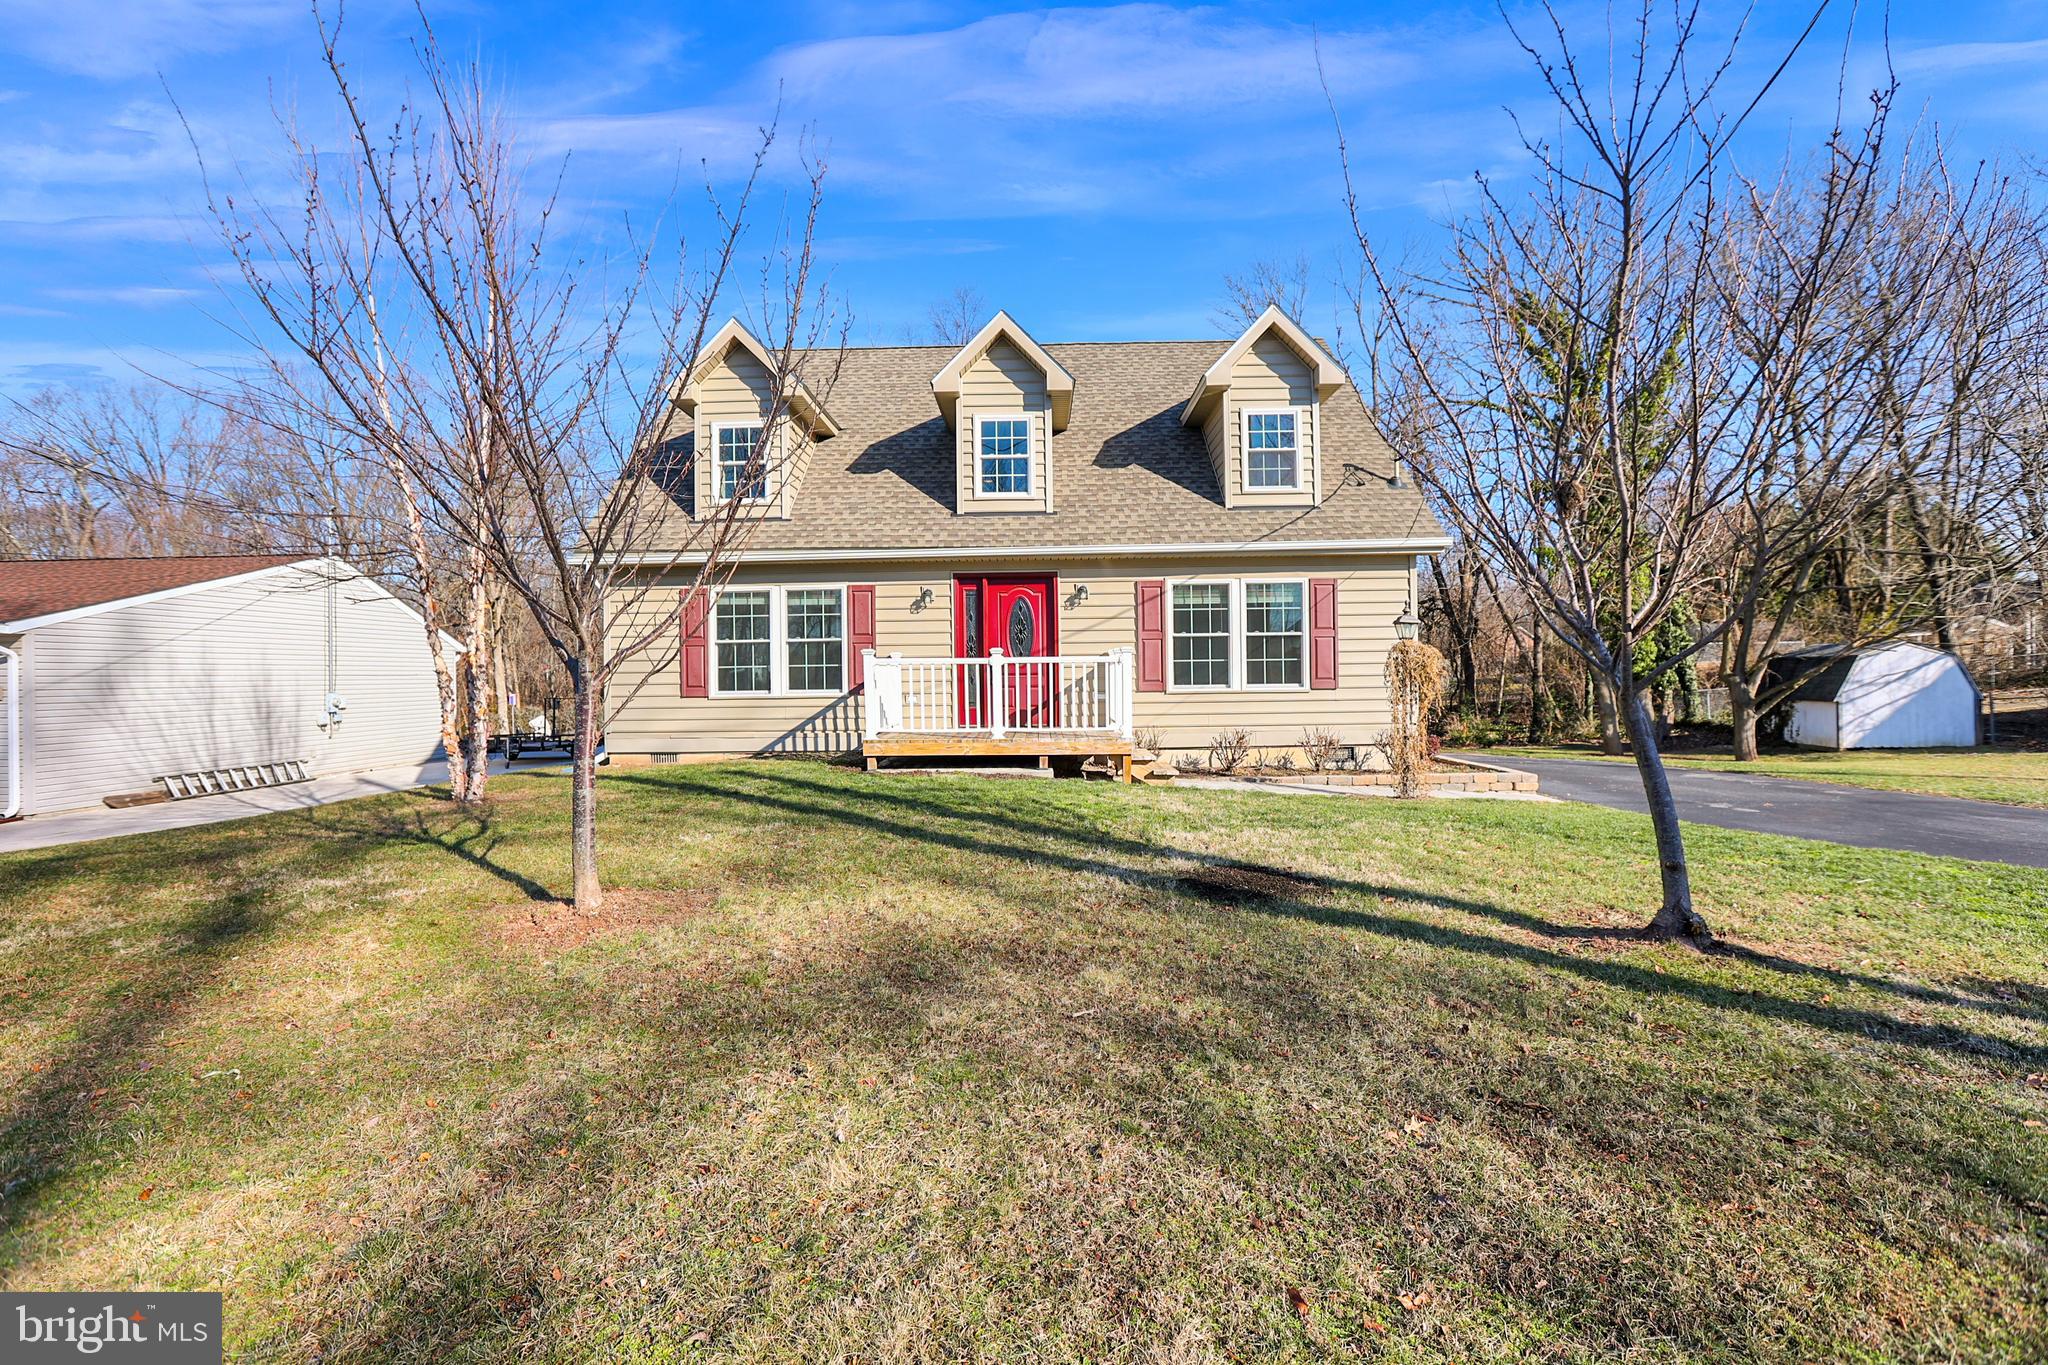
{"points": [[922, 600], [1077, 596], [1407, 624]]}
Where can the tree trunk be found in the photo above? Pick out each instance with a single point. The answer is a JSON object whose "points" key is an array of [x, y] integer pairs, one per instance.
{"points": [[1742, 713], [583, 794], [476, 689], [1610, 722], [1675, 918], [1539, 694]]}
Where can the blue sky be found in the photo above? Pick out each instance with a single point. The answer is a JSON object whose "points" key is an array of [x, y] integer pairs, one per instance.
{"points": [[1096, 170]]}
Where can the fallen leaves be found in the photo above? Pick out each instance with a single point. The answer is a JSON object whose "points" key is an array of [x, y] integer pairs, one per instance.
{"points": [[1297, 1299]]}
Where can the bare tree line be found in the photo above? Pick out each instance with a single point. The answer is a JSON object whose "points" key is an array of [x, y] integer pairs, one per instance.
{"points": [[1671, 406]]}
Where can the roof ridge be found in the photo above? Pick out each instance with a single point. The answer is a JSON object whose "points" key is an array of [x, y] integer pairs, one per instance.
{"points": [[158, 559]]}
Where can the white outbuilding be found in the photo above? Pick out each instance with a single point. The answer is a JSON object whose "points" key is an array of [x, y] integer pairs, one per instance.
{"points": [[1893, 696], [198, 673]]}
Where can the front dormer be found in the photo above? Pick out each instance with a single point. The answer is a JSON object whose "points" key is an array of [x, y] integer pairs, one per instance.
{"points": [[1259, 409], [751, 447], [1005, 398]]}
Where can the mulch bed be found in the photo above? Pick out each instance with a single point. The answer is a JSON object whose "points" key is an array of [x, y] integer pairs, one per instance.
{"points": [[553, 925]]}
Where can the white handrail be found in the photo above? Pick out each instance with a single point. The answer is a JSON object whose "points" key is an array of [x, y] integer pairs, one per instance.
{"points": [[1000, 696]]}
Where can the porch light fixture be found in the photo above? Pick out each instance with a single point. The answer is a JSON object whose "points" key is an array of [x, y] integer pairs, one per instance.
{"points": [[922, 600], [1407, 624], [1077, 596]]}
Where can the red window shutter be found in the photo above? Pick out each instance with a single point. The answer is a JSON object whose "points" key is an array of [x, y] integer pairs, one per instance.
{"points": [[696, 653], [1322, 633], [1151, 635], [860, 627]]}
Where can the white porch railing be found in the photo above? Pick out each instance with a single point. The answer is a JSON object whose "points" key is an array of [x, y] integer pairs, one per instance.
{"points": [[998, 696]]}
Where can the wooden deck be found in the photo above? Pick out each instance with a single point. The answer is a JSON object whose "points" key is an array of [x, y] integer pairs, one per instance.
{"points": [[1043, 745]]}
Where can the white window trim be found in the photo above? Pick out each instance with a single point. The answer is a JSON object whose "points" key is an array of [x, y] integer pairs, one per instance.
{"points": [[1237, 588], [1029, 492], [1301, 455], [778, 639], [769, 447], [1235, 643], [1240, 658]]}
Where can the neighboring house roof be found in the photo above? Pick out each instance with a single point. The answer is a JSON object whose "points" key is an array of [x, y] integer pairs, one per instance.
{"points": [[1125, 473], [43, 592], [35, 588]]}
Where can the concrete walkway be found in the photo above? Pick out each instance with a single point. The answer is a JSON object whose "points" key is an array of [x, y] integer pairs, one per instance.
{"points": [[99, 822]]}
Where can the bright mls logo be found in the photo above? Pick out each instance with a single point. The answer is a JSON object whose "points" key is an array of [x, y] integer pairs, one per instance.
{"points": [[163, 1329]]}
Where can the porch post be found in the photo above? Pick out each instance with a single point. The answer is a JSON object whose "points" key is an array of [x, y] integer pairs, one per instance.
{"points": [[1126, 678], [868, 707], [998, 707]]}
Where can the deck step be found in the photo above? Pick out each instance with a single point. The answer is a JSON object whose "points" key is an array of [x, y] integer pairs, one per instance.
{"points": [[234, 778]]}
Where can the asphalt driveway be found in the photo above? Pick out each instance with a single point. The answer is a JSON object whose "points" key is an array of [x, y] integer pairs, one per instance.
{"points": [[1944, 825]]}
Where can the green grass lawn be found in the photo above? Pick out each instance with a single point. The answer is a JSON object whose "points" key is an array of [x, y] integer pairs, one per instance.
{"points": [[2017, 777], [898, 1068]]}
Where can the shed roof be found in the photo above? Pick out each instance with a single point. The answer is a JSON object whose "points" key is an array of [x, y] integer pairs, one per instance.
{"points": [[31, 588]]}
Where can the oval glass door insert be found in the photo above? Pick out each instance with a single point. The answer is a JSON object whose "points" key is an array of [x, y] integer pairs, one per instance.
{"points": [[1023, 631]]}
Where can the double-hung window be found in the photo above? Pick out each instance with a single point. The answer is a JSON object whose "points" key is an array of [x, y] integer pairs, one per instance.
{"points": [[1238, 633], [742, 463], [815, 620], [1003, 463], [1272, 452], [1273, 639], [746, 641], [779, 641], [1201, 635]]}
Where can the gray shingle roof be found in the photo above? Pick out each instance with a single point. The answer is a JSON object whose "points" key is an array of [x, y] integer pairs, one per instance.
{"points": [[1125, 471]]}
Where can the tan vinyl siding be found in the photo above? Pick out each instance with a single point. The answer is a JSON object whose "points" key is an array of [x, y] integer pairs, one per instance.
{"points": [[738, 388], [648, 713], [1003, 381], [227, 675], [1270, 375], [656, 719]]}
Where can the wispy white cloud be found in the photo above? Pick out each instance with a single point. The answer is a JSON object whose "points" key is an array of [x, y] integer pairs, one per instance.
{"points": [[126, 295], [1032, 114], [1951, 59], [109, 39]]}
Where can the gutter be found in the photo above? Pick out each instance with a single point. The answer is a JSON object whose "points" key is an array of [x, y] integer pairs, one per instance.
{"points": [[1408, 545]]}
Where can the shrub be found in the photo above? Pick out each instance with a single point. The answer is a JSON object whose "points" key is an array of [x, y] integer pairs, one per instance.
{"points": [[1320, 748], [1228, 750]]}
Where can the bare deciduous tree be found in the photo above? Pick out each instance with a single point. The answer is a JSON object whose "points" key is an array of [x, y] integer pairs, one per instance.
{"points": [[1590, 411], [520, 400], [1278, 284]]}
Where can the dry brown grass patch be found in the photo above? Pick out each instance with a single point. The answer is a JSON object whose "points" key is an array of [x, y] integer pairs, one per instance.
{"points": [[553, 925]]}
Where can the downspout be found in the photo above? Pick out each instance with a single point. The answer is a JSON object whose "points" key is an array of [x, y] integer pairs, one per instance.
{"points": [[13, 661]]}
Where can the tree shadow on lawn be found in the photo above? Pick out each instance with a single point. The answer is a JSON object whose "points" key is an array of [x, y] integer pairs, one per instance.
{"points": [[40, 1131], [565, 1210], [800, 797]]}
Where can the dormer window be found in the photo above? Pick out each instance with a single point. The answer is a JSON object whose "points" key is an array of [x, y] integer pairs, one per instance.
{"points": [[1272, 454], [742, 462], [1259, 407], [1005, 458]]}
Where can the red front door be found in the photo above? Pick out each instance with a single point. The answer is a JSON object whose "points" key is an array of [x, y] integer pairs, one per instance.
{"points": [[1013, 613]]}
